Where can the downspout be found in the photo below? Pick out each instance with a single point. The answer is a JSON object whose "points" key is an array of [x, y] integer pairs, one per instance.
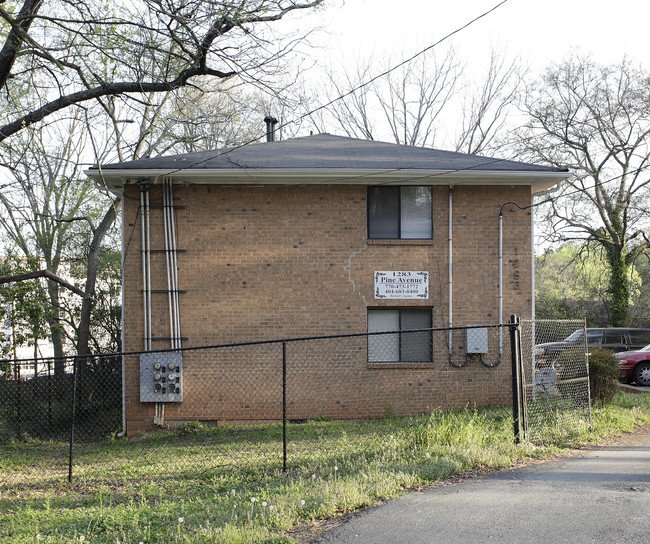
{"points": [[123, 431], [532, 265], [500, 282], [532, 283], [450, 272]]}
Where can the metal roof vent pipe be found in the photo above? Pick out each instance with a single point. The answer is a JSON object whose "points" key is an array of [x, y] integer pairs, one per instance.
{"points": [[270, 130]]}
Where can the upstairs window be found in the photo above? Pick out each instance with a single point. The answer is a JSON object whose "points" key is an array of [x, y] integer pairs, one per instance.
{"points": [[404, 212]]}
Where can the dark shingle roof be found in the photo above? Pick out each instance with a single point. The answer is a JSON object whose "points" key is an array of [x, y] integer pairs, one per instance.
{"points": [[328, 152]]}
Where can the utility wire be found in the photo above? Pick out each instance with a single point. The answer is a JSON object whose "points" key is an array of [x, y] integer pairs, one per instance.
{"points": [[383, 74], [352, 91], [392, 69]]}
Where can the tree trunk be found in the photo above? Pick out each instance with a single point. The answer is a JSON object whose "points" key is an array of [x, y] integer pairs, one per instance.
{"points": [[619, 289], [55, 328], [83, 332]]}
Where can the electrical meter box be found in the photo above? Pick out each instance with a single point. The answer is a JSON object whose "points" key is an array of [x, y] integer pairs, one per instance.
{"points": [[477, 340], [161, 377]]}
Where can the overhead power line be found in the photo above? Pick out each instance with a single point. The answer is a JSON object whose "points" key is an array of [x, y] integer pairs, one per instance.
{"points": [[352, 91]]}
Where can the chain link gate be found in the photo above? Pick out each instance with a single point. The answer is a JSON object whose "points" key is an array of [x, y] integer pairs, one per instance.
{"points": [[554, 379]]}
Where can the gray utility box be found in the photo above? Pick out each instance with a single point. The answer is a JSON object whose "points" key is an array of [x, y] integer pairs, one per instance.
{"points": [[161, 377], [477, 340]]}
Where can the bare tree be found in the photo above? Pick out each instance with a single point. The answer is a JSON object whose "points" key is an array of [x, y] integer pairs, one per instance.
{"points": [[595, 121], [488, 103], [57, 54], [422, 101], [352, 113], [414, 96], [405, 103]]}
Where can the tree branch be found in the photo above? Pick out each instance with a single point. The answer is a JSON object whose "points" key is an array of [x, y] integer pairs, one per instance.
{"points": [[43, 274]]}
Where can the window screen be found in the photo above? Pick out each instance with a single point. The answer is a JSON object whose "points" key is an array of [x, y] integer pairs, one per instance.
{"points": [[402, 347], [400, 212]]}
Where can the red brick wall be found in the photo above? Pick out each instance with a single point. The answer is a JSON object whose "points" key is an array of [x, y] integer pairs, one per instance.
{"points": [[287, 261]]}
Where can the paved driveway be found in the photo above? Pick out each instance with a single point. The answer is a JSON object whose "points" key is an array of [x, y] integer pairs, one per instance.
{"points": [[600, 495]]}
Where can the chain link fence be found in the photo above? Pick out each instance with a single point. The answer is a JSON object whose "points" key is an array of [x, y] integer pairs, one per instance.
{"points": [[555, 379], [286, 405]]}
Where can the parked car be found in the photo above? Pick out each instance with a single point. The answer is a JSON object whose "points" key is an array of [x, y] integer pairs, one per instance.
{"points": [[615, 338], [635, 366]]}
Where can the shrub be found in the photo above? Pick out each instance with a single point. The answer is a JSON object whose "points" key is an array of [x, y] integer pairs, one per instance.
{"points": [[603, 375]]}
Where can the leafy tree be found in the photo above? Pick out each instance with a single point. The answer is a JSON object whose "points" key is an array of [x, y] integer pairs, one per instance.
{"points": [[25, 307], [640, 311], [571, 283], [595, 121]]}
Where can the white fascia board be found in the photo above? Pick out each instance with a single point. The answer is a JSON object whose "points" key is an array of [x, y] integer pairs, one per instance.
{"points": [[115, 180]]}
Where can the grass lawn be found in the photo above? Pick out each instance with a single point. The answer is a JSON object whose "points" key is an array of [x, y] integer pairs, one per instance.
{"points": [[226, 484]]}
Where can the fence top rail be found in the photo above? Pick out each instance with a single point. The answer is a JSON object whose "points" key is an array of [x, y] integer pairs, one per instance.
{"points": [[257, 343], [559, 321]]}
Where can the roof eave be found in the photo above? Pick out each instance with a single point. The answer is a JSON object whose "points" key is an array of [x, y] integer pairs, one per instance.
{"points": [[115, 179]]}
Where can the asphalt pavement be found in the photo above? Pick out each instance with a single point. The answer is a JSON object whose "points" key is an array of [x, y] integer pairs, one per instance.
{"points": [[598, 495]]}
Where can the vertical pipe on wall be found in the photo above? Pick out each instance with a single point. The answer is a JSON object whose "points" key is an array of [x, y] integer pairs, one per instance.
{"points": [[174, 260], [172, 264], [500, 282], [144, 265], [532, 262], [172, 330], [532, 283], [123, 431], [451, 271], [148, 254]]}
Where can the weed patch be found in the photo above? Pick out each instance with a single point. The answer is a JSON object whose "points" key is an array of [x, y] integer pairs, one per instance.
{"points": [[220, 484]]}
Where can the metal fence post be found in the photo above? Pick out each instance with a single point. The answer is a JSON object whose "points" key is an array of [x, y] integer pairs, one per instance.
{"points": [[284, 406], [49, 392], [73, 416], [18, 400], [516, 376]]}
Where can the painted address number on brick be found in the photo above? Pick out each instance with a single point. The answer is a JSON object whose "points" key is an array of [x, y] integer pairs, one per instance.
{"points": [[401, 284]]}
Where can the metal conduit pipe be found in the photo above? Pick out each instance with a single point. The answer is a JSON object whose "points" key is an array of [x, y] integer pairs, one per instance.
{"points": [[144, 264], [148, 253], [174, 267], [451, 271], [500, 281], [167, 261], [501, 269], [123, 431]]}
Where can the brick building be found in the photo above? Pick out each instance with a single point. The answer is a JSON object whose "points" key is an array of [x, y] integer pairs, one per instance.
{"points": [[323, 235]]}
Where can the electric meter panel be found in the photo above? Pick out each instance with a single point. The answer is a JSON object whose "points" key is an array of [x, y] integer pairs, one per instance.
{"points": [[161, 377]]}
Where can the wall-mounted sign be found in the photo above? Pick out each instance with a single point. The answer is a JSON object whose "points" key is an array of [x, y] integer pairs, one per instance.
{"points": [[401, 284]]}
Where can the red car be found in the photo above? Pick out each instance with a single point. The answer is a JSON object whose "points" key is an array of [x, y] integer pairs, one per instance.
{"points": [[635, 366]]}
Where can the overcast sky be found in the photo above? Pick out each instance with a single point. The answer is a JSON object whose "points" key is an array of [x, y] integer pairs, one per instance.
{"points": [[537, 32]]}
